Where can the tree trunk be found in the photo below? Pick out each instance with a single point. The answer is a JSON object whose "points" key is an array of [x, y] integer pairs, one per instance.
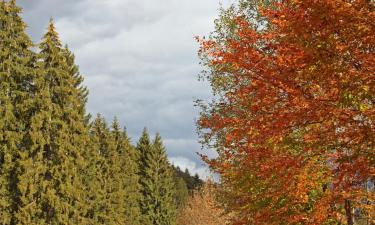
{"points": [[348, 211]]}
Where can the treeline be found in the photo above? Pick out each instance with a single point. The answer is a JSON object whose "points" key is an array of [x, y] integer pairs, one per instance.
{"points": [[192, 182], [57, 165]]}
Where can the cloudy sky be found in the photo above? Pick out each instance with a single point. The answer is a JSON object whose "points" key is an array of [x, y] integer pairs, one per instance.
{"points": [[139, 59]]}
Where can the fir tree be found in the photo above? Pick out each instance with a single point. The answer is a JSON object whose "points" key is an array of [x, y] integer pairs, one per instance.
{"points": [[16, 75], [127, 176], [143, 146], [103, 210], [94, 179], [158, 203], [51, 185], [78, 82]]}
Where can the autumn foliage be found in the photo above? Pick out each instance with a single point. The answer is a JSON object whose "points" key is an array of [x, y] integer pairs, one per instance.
{"points": [[202, 207], [293, 121]]}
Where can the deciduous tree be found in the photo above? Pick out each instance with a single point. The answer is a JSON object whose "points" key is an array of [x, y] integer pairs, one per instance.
{"points": [[293, 118], [202, 207]]}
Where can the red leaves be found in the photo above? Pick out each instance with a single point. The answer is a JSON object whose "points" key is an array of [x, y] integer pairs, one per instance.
{"points": [[299, 114]]}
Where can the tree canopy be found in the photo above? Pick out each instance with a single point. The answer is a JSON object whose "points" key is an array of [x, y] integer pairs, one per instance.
{"points": [[293, 116]]}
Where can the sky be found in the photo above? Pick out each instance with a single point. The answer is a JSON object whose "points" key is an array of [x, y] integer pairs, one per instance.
{"points": [[139, 60]]}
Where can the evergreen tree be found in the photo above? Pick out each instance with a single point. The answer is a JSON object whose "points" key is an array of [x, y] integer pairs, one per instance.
{"points": [[104, 210], [16, 75], [192, 182], [182, 192], [51, 184], [143, 146], [78, 82], [93, 176], [158, 203], [197, 181], [128, 177]]}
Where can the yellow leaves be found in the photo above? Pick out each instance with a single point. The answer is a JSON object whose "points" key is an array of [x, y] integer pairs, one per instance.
{"points": [[364, 107], [348, 5]]}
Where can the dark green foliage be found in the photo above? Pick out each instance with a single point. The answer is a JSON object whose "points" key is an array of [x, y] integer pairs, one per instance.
{"points": [[158, 203], [192, 182]]}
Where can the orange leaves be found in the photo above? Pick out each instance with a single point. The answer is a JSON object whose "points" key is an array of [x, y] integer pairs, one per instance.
{"points": [[295, 121], [202, 208], [297, 109]]}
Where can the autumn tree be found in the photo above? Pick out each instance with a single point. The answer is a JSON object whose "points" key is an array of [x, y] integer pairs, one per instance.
{"points": [[293, 116], [202, 207]]}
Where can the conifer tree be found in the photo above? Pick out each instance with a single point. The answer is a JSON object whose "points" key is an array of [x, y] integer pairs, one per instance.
{"points": [[143, 146], [78, 82], [127, 175], [93, 177], [158, 203], [182, 192], [114, 178], [51, 184], [103, 210], [16, 74]]}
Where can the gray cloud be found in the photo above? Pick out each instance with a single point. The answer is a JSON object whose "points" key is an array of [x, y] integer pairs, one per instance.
{"points": [[139, 61]]}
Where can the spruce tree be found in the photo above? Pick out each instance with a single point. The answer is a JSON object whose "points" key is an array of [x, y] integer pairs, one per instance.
{"points": [[78, 79], [117, 201], [127, 175], [16, 75], [158, 203], [51, 186], [103, 209], [94, 178]]}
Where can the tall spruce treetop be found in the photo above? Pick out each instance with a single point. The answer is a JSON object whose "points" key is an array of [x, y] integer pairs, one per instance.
{"points": [[158, 203], [16, 74], [144, 143], [57, 138]]}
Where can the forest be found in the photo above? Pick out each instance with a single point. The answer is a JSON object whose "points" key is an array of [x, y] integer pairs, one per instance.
{"points": [[291, 119], [60, 166]]}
